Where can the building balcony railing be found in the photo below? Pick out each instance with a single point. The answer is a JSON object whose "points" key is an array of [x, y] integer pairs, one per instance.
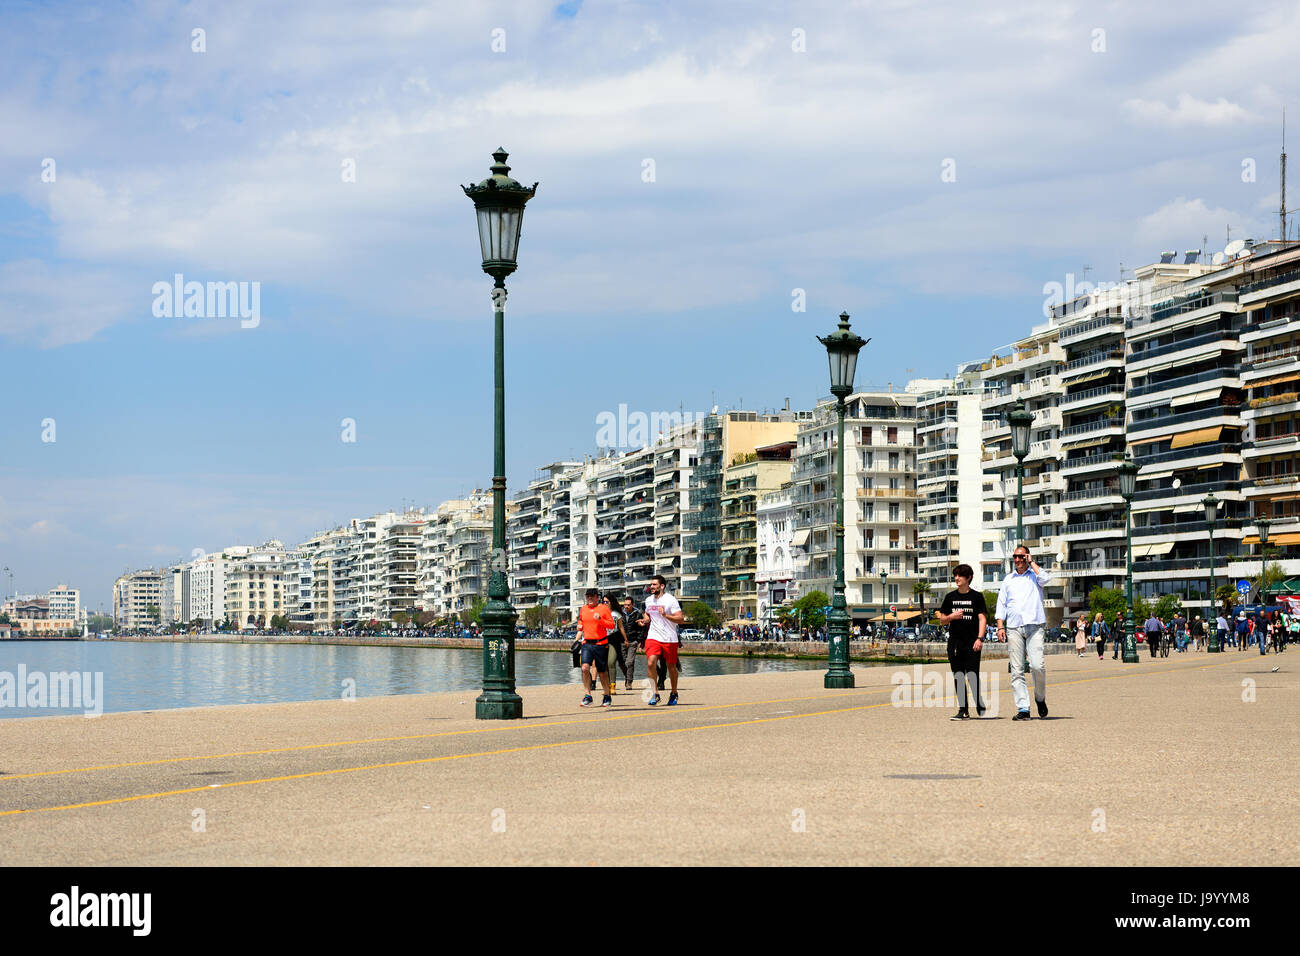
{"points": [[1098, 395], [1096, 358], [1172, 527], [1146, 424], [1093, 426], [1193, 451], [1155, 351], [1280, 279], [1182, 380], [1089, 527], [1114, 321]]}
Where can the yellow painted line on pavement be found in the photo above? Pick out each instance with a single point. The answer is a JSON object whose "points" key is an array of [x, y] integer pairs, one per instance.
{"points": [[694, 709], [428, 760]]}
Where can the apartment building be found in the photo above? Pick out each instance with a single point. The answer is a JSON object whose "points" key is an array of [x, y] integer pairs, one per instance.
{"points": [[949, 476], [1185, 430], [137, 600], [744, 482], [1029, 370], [65, 604], [880, 495], [1269, 296], [260, 583], [723, 437], [779, 562], [538, 536], [456, 556]]}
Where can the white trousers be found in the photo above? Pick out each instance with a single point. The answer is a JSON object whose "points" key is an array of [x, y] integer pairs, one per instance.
{"points": [[1022, 641]]}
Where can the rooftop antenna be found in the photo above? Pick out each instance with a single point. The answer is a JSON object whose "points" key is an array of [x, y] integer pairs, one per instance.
{"points": [[1282, 210], [1086, 270]]}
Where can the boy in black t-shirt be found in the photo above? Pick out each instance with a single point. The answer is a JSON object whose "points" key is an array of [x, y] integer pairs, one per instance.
{"points": [[966, 615]]}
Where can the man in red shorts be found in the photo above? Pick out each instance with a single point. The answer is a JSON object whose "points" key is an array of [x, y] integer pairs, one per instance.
{"points": [[594, 623], [663, 615]]}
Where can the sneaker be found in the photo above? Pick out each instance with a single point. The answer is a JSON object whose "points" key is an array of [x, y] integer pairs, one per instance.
{"points": [[672, 699], [586, 701], [627, 685], [653, 700], [960, 715], [605, 701], [1042, 708], [1021, 715]]}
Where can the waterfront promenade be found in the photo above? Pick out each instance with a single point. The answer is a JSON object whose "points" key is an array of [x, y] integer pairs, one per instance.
{"points": [[1160, 763]]}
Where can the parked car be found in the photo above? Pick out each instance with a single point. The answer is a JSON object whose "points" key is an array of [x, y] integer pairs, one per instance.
{"points": [[1058, 635], [906, 634], [692, 634]]}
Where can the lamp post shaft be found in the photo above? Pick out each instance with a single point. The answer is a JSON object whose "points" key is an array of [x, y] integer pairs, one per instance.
{"points": [[1212, 624], [499, 700], [837, 621], [1130, 625]]}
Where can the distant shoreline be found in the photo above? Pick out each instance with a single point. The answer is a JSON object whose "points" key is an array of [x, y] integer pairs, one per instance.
{"points": [[864, 651]]}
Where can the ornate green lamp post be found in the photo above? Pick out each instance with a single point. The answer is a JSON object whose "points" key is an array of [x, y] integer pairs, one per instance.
{"points": [[1128, 472], [842, 347], [499, 205], [1262, 523], [1211, 505], [884, 601], [1021, 420]]}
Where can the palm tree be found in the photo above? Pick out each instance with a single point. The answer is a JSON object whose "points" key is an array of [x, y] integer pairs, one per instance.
{"points": [[921, 589]]}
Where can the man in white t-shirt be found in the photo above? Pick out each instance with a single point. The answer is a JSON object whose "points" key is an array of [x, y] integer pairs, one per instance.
{"points": [[663, 615]]}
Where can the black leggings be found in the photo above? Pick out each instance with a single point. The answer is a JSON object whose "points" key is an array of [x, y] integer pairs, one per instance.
{"points": [[965, 664]]}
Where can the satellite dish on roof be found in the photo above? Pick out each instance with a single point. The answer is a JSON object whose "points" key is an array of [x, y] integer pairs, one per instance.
{"points": [[1244, 253], [1234, 247], [1218, 259]]}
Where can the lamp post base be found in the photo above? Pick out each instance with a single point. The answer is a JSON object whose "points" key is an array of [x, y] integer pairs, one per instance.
{"points": [[498, 705], [838, 681], [838, 674], [1130, 641]]}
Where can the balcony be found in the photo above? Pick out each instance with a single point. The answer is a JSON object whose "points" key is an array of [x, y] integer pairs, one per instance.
{"points": [[1206, 415], [1093, 396], [1182, 307], [1094, 426], [1190, 453], [1183, 380], [1091, 461], [1109, 322], [1226, 337], [1096, 358]]}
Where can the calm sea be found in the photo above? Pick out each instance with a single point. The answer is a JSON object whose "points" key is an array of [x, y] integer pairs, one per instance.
{"points": [[155, 676]]}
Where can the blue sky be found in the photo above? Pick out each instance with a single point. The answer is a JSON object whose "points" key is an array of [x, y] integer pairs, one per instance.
{"points": [[774, 169]]}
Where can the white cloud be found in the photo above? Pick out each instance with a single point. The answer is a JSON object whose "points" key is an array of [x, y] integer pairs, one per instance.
{"points": [[1190, 111]]}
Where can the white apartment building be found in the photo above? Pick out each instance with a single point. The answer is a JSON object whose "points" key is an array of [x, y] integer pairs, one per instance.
{"points": [[65, 604], [950, 477], [137, 596], [880, 529], [260, 583], [780, 561]]}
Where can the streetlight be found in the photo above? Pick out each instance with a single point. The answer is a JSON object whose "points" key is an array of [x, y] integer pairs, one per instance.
{"points": [[1021, 420], [1211, 505], [884, 601], [1128, 472], [842, 347], [499, 205], [1262, 523]]}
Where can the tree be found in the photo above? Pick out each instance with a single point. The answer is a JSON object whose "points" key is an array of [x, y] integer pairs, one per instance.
{"points": [[1227, 596], [1273, 575], [401, 618], [1107, 602], [153, 613], [338, 624], [1167, 605], [921, 589], [539, 616], [701, 615], [279, 622], [475, 609], [807, 611], [4, 618], [991, 602]]}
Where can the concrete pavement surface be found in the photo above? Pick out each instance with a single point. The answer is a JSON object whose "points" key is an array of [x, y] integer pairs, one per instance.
{"points": [[1190, 760]]}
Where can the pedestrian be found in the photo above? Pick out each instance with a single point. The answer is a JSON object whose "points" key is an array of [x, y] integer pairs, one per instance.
{"points": [[1119, 631], [967, 617], [1099, 634], [1153, 627], [617, 644], [1198, 633], [1081, 636], [1221, 630], [663, 617], [633, 635], [1243, 631], [1021, 621], [594, 623]]}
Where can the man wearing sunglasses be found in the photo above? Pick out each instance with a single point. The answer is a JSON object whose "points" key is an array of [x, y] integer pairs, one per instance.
{"points": [[1021, 620]]}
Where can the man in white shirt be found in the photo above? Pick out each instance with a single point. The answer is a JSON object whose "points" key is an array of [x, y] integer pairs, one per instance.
{"points": [[1021, 622], [663, 615]]}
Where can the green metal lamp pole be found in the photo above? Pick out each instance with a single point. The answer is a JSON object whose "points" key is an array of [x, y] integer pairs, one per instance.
{"points": [[499, 206], [1263, 523], [842, 347], [1211, 505], [884, 601], [1127, 485], [1021, 421]]}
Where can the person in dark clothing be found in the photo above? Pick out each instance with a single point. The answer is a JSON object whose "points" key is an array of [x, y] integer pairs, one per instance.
{"points": [[1118, 630], [617, 644], [966, 616], [633, 637]]}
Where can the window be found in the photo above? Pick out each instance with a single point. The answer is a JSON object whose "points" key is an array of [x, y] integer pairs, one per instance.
{"points": [[893, 592], [892, 435], [866, 435], [893, 516], [867, 595]]}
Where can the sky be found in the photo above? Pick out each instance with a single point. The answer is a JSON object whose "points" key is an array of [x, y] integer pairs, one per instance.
{"points": [[928, 168]]}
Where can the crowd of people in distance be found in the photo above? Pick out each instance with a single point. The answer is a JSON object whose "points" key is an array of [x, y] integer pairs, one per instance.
{"points": [[1262, 630]]}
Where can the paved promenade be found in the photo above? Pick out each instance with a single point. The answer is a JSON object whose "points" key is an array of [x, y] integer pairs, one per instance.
{"points": [[1158, 763]]}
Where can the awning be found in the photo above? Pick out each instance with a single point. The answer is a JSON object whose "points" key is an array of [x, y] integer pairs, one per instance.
{"points": [[1150, 550], [1193, 399], [1159, 474], [1198, 437], [1273, 539], [800, 538], [1188, 509], [1148, 441], [1087, 378], [1086, 443], [1275, 380], [1206, 467]]}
